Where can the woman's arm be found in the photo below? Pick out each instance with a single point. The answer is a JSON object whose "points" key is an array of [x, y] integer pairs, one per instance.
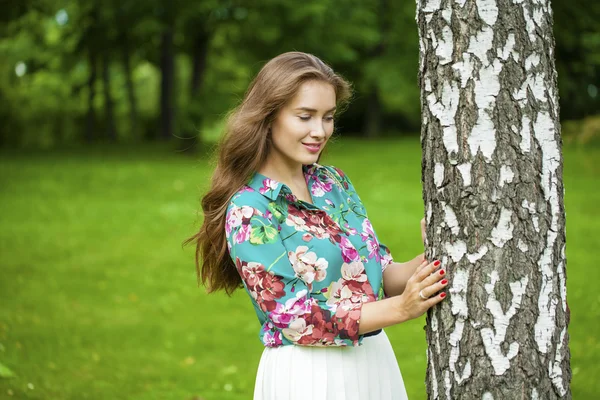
{"points": [[396, 275], [419, 294]]}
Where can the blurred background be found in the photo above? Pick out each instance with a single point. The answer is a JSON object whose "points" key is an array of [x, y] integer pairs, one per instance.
{"points": [[132, 71], [109, 112]]}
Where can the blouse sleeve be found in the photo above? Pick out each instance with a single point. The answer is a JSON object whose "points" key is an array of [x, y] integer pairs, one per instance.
{"points": [[291, 315], [376, 248]]}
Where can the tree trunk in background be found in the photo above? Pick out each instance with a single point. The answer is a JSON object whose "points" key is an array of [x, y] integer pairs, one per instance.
{"points": [[191, 141], [373, 115], [199, 56], [111, 130], [90, 124], [372, 127], [133, 111], [167, 67], [493, 192]]}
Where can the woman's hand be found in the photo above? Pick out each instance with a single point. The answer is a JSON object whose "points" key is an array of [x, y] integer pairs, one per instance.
{"points": [[421, 292]]}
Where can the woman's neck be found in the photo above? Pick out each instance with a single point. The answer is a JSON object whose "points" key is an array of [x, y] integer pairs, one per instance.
{"points": [[291, 175]]}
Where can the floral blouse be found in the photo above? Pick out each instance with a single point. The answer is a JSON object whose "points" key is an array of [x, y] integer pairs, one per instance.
{"points": [[308, 268]]}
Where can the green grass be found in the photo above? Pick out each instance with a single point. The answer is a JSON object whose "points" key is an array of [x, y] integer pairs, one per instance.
{"points": [[99, 301]]}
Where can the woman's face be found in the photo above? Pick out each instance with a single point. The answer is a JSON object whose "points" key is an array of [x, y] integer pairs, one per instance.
{"points": [[303, 126]]}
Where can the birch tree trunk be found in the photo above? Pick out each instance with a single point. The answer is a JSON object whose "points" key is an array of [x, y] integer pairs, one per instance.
{"points": [[493, 192]]}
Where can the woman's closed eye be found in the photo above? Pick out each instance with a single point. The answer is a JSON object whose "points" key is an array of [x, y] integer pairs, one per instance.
{"points": [[328, 118]]}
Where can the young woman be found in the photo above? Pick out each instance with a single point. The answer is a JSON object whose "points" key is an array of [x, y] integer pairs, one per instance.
{"points": [[296, 236]]}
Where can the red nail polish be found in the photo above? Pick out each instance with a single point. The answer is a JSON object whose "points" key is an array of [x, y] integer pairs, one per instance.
{"points": [[437, 263], [442, 295], [443, 282], [442, 272]]}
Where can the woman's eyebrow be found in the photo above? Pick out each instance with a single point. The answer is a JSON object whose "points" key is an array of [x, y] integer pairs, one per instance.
{"points": [[312, 109]]}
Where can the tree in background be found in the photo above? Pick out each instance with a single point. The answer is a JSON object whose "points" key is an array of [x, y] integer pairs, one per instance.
{"points": [[493, 191], [135, 70]]}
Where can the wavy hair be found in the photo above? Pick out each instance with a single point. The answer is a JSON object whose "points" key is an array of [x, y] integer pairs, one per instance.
{"points": [[243, 150]]}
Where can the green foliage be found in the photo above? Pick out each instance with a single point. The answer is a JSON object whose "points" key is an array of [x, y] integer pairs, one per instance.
{"points": [[99, 301], [577, 39], [582, 132], [49, 49]]}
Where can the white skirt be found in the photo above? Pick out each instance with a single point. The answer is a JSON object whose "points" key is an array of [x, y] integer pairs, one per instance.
{"points": [[369, 371]]}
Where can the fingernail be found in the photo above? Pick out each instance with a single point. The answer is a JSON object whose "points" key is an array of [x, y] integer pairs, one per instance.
{"points": [[442, 295], [442, 272], [443, 282], [437, 263]]}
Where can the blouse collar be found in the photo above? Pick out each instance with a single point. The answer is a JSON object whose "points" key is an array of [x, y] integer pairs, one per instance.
{"points": [[271, 188]]}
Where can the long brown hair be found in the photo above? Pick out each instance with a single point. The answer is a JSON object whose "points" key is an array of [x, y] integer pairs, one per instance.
{"points": [[242, 151]]}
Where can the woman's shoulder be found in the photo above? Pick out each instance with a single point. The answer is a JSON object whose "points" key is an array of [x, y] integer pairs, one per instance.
{"points": [[331, 173], [327, 170]]}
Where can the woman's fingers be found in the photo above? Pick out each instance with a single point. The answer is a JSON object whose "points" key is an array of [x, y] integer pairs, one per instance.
{"points": [[426, 270], [434, 277], [423, 264], [432, 301], [432, 289]]}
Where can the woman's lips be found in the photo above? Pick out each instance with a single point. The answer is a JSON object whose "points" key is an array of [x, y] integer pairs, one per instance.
{"points": [[312, 147]]}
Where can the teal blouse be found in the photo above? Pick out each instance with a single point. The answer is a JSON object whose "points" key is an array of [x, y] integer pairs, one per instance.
{"points": [[308, 268]]}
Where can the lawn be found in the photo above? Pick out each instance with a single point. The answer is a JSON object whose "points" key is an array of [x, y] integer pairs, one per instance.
{"points": [[98, 300]]}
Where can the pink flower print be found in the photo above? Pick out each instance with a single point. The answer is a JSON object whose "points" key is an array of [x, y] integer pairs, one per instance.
{"points": [[252, 273], [385, 261], [323, 330], [307, 266], [329, 202], [271, 336], [243, 234], [284, 314], [349, 252], [352, 287], [268, 215], [354, 271], [349, 230], [268, 185], [368, 235], [367, 230], [296, 221], [291, 198], [319, 188], [373, 247], [233, 219], [270, 289], [319, 232], [320, 269], [297, 330], [346, 318], [362, 292], [307, 237], [347, 308], [272, 339], [338, 292], [236, 216], [315, 219]]}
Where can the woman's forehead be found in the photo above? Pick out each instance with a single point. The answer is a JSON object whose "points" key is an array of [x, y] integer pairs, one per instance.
{"points": [[314, 95]]}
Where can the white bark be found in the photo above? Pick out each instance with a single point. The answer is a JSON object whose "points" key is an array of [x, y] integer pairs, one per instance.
{"points": [[492, 180]]}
